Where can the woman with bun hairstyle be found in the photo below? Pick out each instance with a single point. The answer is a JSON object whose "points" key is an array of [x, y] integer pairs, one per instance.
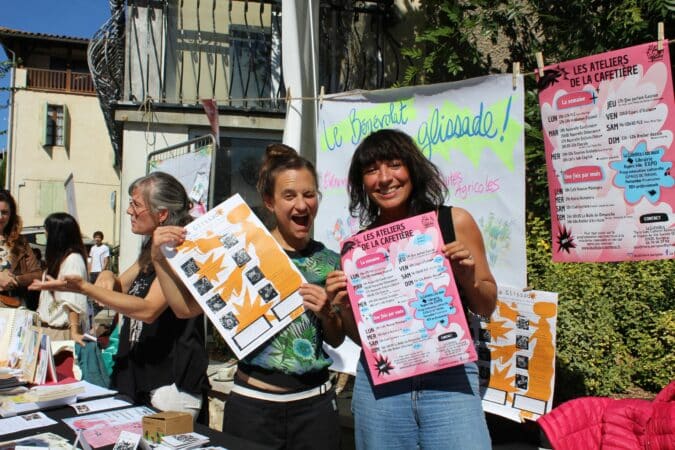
{"points": [[282, 396], [389, 180], [18, 265]]}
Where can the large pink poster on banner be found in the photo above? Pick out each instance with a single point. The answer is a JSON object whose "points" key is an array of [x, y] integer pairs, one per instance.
{"points": [[608, 133], [405, 300]]}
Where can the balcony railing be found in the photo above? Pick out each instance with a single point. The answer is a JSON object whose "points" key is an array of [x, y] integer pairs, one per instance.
{"points": [[60, 81]]}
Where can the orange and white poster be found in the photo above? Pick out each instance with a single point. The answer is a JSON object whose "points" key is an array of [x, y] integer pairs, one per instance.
{"points": [[239, 274], [516, 354]]}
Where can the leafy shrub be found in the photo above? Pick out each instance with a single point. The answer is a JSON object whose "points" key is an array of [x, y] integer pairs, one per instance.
{"points": [[616, 325]]}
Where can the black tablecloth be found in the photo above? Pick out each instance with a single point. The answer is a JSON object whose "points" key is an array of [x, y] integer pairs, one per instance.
{"points": [[217, 438]]}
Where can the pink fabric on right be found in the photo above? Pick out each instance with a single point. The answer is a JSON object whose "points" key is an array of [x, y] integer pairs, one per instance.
{"points": [[576, 424], [607, 424]]}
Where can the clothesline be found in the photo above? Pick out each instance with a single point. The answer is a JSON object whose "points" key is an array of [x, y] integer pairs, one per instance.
{"points": [[288, 98]]}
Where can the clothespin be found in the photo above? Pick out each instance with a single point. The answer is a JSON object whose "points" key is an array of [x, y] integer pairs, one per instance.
{"points": [[288, 95], [528, 288], [540, 62], [322, 92], [660, 34], [516, 73]]}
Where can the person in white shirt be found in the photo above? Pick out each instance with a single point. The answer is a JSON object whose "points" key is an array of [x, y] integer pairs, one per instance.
{"points": [[99, 256], [64, 315]]}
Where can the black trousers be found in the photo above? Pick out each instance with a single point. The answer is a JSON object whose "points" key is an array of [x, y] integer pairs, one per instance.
{"points": [[311, 423]]}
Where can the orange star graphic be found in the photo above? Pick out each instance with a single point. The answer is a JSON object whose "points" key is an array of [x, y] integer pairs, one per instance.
{"points": [[250, 311], [209, 269], [500, 379], [497, 329]]}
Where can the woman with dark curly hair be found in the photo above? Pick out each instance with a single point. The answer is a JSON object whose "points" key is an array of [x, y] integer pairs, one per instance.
{"points": [[18, 265], [390, 180]]}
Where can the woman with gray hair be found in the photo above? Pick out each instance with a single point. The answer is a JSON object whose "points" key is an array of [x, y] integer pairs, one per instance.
{"points": [[161, 359]]}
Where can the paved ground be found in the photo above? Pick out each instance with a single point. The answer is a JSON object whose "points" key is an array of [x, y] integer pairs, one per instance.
{"points": [[506, 435]]}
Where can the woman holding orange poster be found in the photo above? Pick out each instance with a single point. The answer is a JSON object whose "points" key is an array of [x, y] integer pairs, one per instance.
{"points": [[282, 396]]}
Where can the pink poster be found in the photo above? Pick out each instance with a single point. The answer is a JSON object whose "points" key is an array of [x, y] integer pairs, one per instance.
{"points": [[608, 133], [405, 300]]}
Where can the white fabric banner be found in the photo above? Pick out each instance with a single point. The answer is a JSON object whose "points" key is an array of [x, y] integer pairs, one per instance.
{"points": [[193, 170], [472, 130]]}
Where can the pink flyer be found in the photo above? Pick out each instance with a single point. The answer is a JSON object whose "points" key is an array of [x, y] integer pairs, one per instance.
{"points": [[608, 134], [405, 300]]}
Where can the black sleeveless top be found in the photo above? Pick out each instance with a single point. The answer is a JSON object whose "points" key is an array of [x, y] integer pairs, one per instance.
{"points": [[445, 223], [166, 351], [448, 233]]}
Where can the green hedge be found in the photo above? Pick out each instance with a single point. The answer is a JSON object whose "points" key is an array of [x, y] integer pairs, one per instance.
{"points": [[616, 325]]}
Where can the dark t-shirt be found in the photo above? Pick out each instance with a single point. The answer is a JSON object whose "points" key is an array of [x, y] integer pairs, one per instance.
{"points": [[169, 350]]}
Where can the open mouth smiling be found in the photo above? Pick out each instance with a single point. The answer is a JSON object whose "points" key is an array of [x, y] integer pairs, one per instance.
{"points": [[301, 220]]}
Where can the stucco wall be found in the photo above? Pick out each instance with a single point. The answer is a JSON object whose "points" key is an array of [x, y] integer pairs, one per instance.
{"points": [[89, 158]]}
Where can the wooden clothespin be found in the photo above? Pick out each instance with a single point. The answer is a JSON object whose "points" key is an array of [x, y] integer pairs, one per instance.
{"points": [[540, 62], [322, 92], [516, 73], [660, 34], [288, 96]]}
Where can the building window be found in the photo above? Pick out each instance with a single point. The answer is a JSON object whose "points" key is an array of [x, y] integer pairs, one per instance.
{"points": [[237, 162], [55, 126], [253, 69]]}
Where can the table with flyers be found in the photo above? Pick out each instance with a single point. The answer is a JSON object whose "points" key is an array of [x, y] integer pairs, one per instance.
{"points": [[60, 428]]}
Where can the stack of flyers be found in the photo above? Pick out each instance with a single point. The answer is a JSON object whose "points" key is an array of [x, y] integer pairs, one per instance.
{"points": [[184, 441]]}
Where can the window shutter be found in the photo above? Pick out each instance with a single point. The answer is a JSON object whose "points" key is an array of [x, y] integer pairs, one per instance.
{"points": [[66, 127], [43, 124], [52, 197]]}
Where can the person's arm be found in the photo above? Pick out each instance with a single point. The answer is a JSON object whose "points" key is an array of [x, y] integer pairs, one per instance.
{"points": [[104, 265], [29, 267], [469, 264], [74, 324], [73, 265], [315, 299], [146, 309], [108, 280], [178, 297], [108, 292], [336, 287]]}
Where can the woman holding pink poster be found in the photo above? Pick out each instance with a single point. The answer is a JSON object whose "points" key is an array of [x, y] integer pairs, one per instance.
{"points": [[389, 180]]}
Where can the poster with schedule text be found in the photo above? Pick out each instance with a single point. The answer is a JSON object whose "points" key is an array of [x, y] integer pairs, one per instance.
{"points": [[608, 126], [405, 301]]}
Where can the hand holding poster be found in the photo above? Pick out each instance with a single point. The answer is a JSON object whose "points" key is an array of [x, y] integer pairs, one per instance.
{"points": [[405, 300], [608, 132], [239, 274]]}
